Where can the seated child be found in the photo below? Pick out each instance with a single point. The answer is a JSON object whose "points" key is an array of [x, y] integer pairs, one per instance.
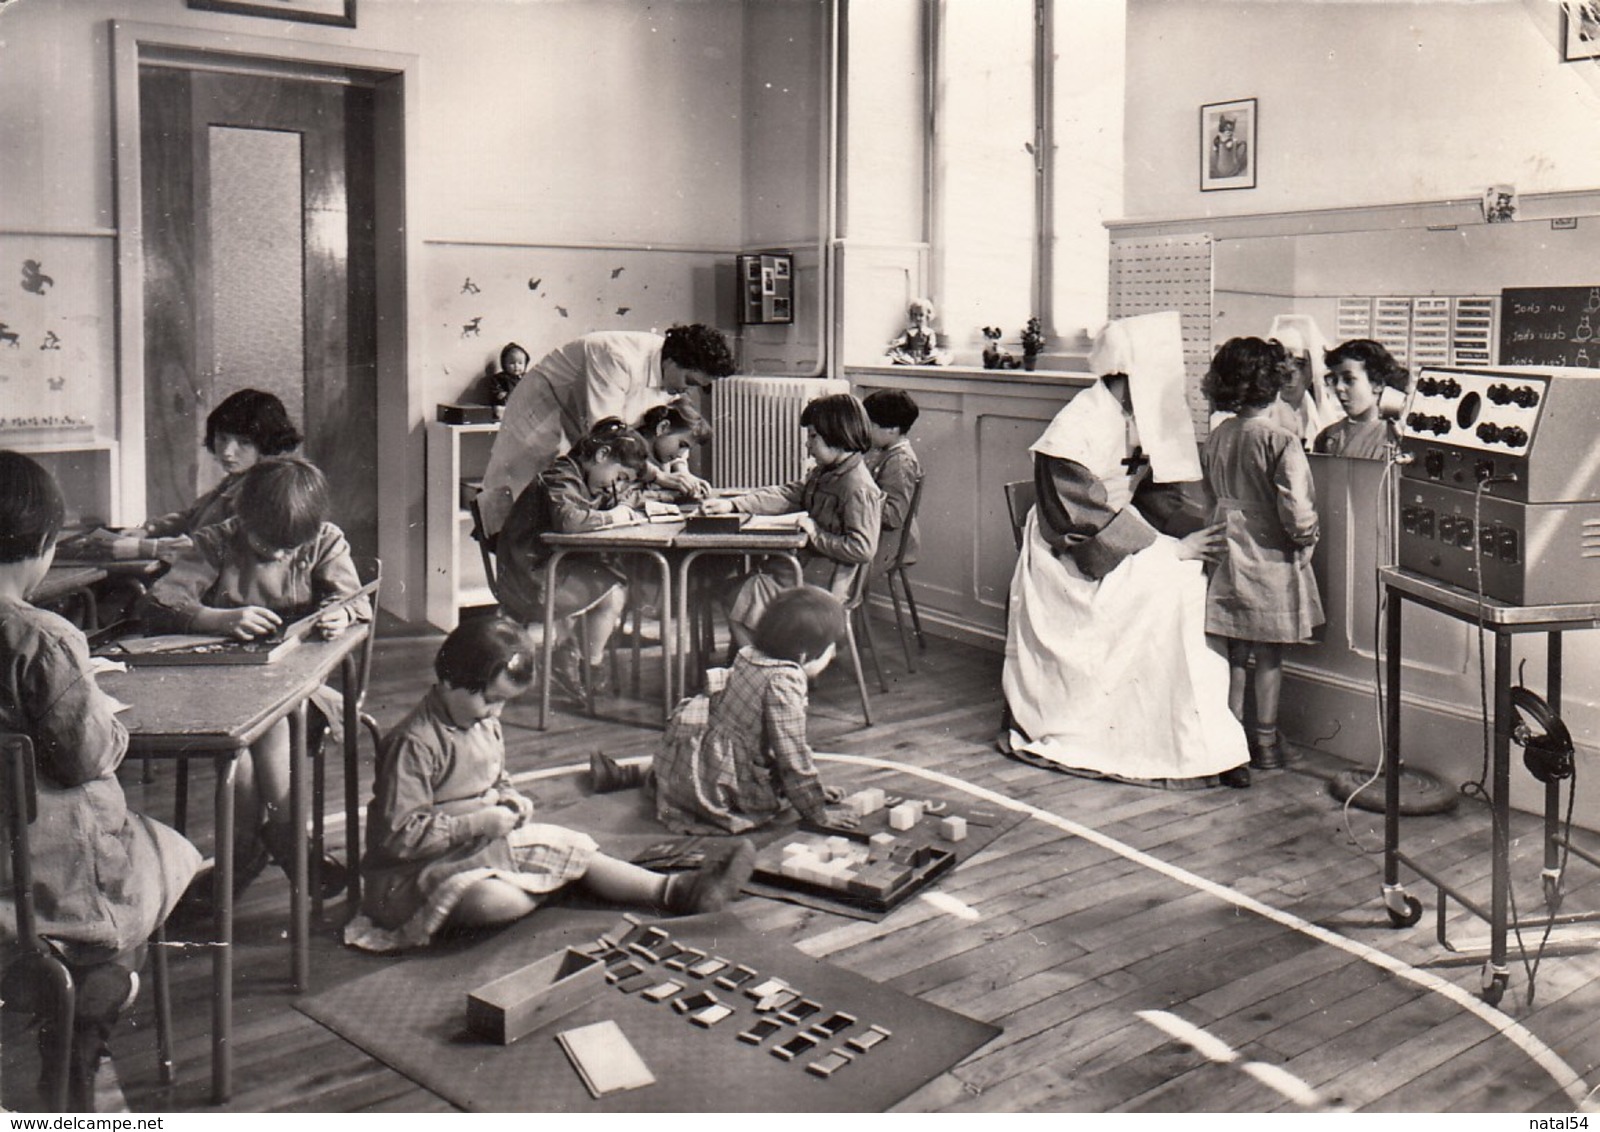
{"points": [[450, 840], [843, 509], [1358, 371], [671, 430], [735, 758], [895, 469], [249, 426], [275, 561], [514, 363], [103, 877], [579, 491]]}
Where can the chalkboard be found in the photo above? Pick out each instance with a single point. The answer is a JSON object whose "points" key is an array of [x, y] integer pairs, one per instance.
{"points": [[1550, 326]]}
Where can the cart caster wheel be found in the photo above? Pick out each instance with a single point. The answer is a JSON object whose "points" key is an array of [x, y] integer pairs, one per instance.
{"points": [[1552, 894], [1410, 917], [1494, 986]]}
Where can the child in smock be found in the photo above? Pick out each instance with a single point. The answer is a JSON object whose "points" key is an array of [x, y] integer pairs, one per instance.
{"points": [[1358, 372], [103, 876], [1263, 594], [584, 490], [843, 510], [277, 560], [452, 841], [672, 431], [735, 757]]}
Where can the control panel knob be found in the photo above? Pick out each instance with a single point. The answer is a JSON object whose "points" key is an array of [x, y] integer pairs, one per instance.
{"points": [[1526, 396], [1500, 393], [1488, 432], [1514, 436], [1450, 387], [1428, 386], [1439, 425]]}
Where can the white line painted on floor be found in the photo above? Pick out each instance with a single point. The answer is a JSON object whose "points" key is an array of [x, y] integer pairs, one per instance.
{"points": [[1206, 1044], [1282, 1081], [947, 903]]}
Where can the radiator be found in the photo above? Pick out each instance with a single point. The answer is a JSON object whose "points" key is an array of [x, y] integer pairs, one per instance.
{"points": [[757, 438]]}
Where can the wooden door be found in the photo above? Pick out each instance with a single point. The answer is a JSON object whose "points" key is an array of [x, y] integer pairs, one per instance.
{"points": [[258, 251]]}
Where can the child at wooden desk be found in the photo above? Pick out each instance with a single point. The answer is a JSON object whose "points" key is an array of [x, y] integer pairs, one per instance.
{"points": [[843, 509], [103, 877], [736, 758], [277, 560], [450, 839]]}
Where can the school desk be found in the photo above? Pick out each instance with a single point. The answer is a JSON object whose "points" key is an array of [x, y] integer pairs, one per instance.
{"points": [[216, 712], [1503, 621], [61, 582], [674, 551]]}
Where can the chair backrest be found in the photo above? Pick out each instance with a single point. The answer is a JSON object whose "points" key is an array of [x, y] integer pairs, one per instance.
{"points": [[1021, 495], [905, 527], [370, 570], [490, 572], [19, 802]]}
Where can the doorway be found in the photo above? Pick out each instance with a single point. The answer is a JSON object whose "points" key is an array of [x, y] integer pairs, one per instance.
{"points": [[259, 272]]}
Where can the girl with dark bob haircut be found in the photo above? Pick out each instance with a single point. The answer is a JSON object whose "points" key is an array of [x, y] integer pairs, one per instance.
{"points": [[1381, 367], [1246, 372], [482, 650], [840, 420], [256, 416], [699, 347], [283, 502], [800, 624], [31, 508]]}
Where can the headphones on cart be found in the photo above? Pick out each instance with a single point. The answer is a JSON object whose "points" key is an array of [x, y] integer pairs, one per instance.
{"points": [[1546, 752]]}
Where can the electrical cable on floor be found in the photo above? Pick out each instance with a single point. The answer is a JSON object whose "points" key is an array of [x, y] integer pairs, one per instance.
{"points": [[1384, 535]]}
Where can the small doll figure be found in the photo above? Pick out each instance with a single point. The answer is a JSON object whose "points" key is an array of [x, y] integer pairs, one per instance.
{"points": [[513, 364], [993, 356], [918, 346]]}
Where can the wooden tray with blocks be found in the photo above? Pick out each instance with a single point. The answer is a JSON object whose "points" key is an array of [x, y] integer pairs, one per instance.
{"points": [[877, 872]]}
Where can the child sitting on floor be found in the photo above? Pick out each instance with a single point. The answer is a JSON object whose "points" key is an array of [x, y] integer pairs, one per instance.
{"points": [[736, 757], [277, 560], [450, 840], [895, 469], [843, 509], [582, 490], [103, 877]]}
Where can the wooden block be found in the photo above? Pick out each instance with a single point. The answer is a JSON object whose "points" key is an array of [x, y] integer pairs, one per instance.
{"points": [[838, 847], [904, 816], [519, 1003], [953, 829], [874, 799], [795, 848]]}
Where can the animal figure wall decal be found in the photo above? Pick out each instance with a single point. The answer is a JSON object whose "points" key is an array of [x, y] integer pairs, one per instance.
{"points": [[34, 280]]}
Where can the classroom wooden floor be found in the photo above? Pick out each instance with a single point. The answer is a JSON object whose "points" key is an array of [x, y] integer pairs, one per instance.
{"points": [[1158, 951]]}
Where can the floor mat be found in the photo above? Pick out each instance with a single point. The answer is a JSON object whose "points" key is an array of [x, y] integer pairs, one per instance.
{"points": [[411, 1015]]}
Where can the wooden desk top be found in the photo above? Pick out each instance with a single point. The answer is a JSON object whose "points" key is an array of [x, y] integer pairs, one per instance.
{"points": [[199, 708], [61, 580], [672, 536]]}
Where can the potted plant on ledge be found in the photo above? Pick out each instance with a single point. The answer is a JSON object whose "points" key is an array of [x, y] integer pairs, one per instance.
{"points": [[1032, 344]]}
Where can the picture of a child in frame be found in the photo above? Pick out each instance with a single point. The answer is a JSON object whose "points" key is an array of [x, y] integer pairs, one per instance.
{"points": [[1230, 153]]}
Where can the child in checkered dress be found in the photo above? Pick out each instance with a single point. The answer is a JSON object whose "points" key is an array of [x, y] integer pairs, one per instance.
{"points": [[450, 839], [735, 757]]}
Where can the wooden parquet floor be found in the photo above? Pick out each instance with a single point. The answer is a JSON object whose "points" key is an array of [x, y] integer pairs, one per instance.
{"points": [[1100, 928]]}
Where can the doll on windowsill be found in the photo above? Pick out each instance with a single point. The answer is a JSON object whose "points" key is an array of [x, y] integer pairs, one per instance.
{"points": [[919, 345]]}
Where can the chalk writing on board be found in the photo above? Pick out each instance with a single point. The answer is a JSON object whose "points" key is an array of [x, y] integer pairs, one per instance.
{"points": [[1549, 326]]}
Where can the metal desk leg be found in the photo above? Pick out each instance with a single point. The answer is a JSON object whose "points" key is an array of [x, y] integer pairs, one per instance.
{"points": [[681, 620], [1404, 910], [1552, 790], [222, 957], [348, 683], [667, 625], [299, 904], [1495, 973], [547, 649]]}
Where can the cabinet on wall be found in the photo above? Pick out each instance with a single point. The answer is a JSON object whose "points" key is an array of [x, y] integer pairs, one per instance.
{"points": [[456, 453]]}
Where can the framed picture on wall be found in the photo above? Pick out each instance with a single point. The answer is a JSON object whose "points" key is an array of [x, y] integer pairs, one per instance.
{"points": [[1580, 30], [1228, 145], [339, 13]]}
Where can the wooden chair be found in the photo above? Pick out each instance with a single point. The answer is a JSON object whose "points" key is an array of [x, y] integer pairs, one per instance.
{"points": [[855, 610], [1021, 495], [897, 569], [39, 965]]}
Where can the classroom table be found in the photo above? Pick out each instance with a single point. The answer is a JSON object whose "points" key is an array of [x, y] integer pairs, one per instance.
{"points": [[1504, 621], [674, 551], [217, 710], [63, 581]]}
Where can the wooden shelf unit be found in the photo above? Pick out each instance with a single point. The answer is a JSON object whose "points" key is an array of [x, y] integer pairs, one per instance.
{"points": [[455, 568]]}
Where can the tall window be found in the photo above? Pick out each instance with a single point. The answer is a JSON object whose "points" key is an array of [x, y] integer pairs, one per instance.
{"points": [[991, 162]]}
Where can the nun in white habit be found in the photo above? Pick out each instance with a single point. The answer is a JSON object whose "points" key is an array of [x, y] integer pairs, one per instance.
{"points": [[1108, 671]]}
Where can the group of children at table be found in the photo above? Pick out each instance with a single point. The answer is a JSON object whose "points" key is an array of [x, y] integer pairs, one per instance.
{"points": [[451, 841]]}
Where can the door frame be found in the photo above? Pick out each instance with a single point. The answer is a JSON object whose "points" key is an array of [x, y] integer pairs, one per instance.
{"points": [[393, 79]]}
